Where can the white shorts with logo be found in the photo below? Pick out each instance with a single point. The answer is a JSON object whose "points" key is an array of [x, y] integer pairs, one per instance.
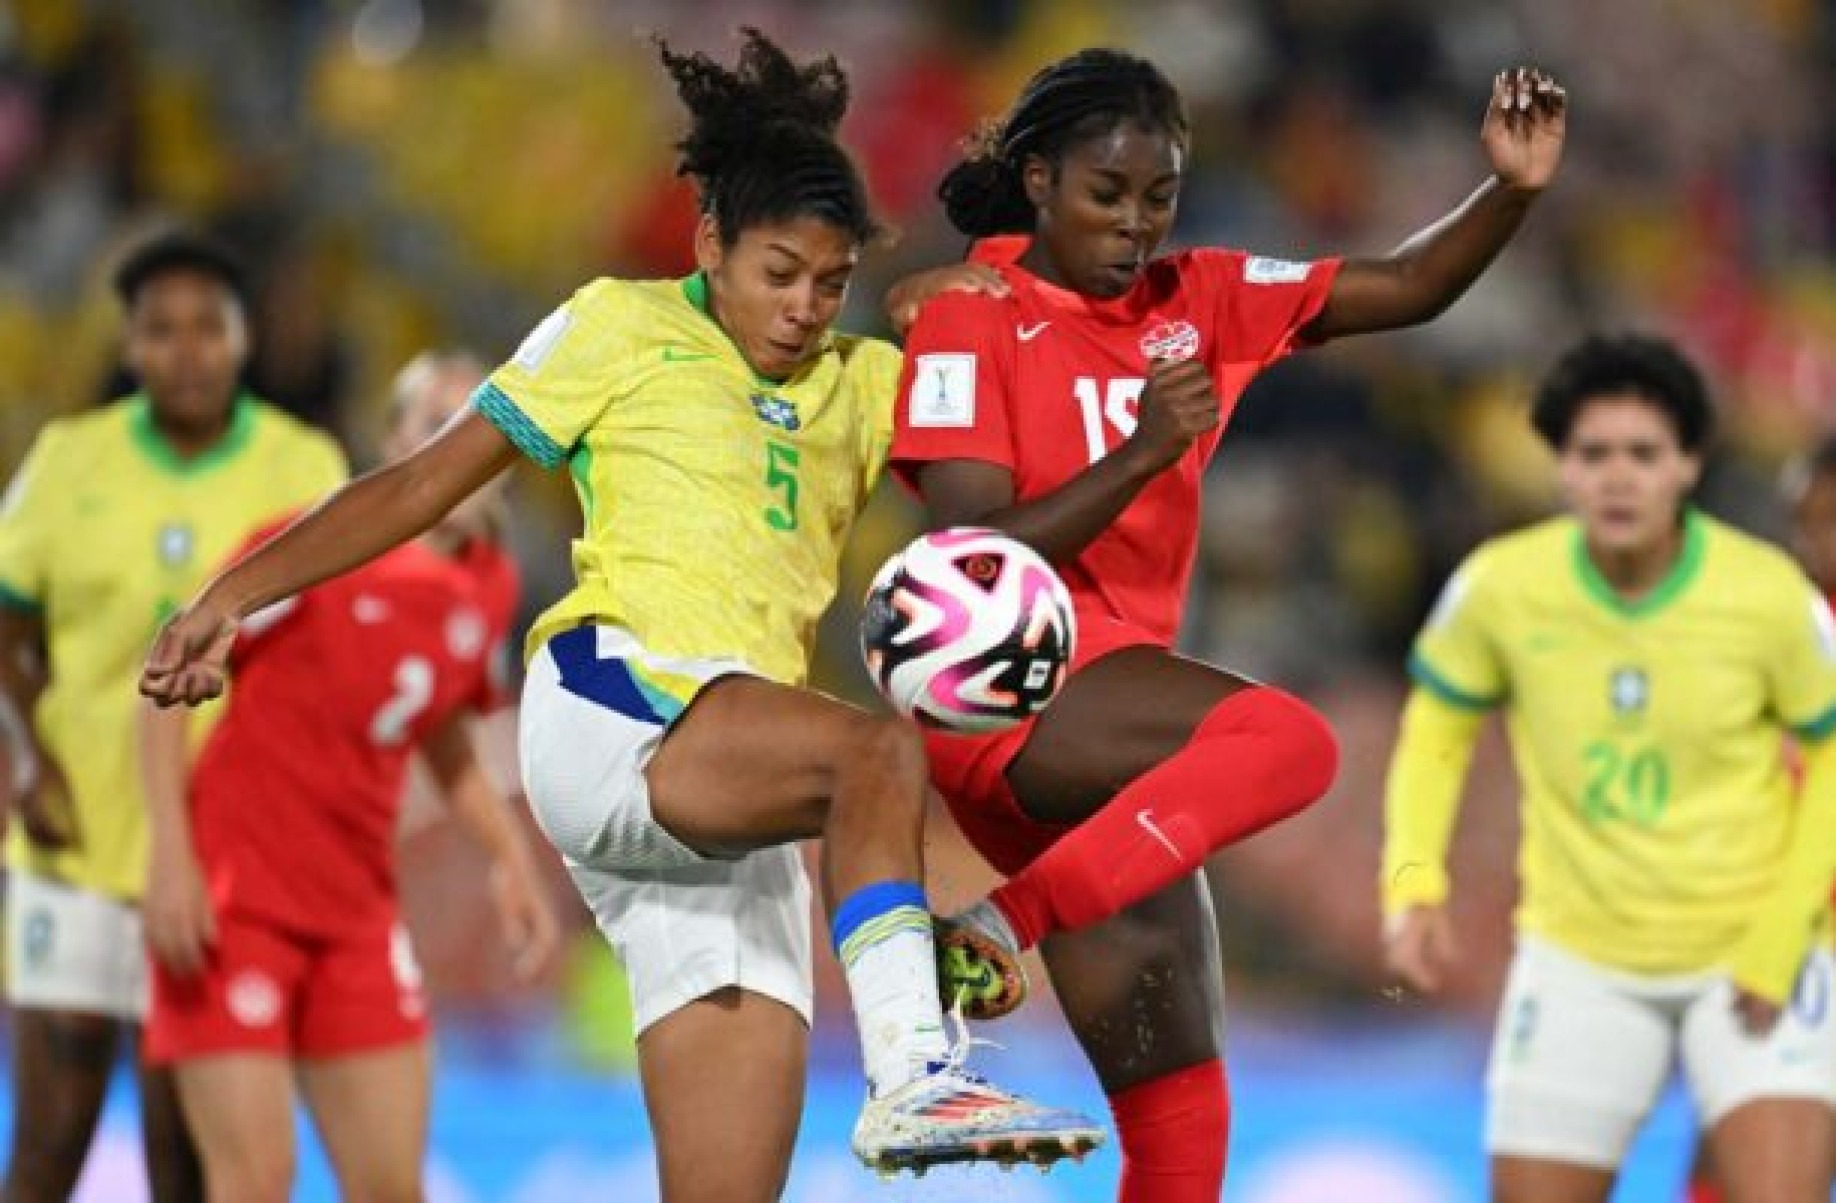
{"points": [[596, 705], [1582, 1052], [70, 949]]}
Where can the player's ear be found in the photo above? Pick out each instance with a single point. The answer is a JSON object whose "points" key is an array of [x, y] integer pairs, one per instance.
{"points": [[1037, 176], [131, 348], [709, 252]]}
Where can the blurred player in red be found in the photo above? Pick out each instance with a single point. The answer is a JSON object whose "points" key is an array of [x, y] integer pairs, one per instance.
{"points": [[277, 945], [1809, 488], [1078, 413]]}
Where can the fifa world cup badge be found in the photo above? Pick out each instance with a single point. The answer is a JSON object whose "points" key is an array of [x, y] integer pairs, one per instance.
{"points": [[1629, 690], [175, 544]]}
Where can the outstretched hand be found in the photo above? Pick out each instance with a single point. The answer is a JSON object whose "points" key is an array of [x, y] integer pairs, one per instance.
{"points": [[42, 804], [905, 298], [1419, 948], [1525, 126], [1758, 1015], [189, 662], [528, 921]]}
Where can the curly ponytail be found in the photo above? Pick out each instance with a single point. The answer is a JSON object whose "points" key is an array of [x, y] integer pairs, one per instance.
{"points": [[761, 143]]}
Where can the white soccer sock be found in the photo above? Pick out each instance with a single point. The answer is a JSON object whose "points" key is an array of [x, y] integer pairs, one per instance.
{"points": [[883, 940]]}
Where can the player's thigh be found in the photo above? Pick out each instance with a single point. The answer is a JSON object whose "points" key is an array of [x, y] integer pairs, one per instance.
{"points": [[1116, 718], [370, 1109], [1775, 1151], [1578, 1058], [1533, 1180], [240, 1110], [174, 1174], [723, 1083], [61, 1066], [76, 977], [1766, 1099], [685, 933], [631, 760], [755, 763], [1143, 991]]}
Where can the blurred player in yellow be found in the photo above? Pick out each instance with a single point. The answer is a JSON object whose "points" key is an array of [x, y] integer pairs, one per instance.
{"points": [[722, 440], [1649, 662], [109, 525]]}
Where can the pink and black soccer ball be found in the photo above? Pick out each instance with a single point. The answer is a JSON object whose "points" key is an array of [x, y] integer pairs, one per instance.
{"points": [[968, 630]]}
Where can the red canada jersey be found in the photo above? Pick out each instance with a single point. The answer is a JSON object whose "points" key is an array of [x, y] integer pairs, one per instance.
{"points": [[295, 797], [1045, 382]]}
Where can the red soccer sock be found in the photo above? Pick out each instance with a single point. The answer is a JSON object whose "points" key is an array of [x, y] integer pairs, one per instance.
{"points": [[1258, 757], [1703, 1192], [1175, 1132]]}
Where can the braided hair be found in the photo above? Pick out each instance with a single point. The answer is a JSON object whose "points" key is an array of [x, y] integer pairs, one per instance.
{"points": [[761, 143], [1075, 99]]}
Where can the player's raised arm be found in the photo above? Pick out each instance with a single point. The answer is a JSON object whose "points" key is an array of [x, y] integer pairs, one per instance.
{"points": [[358, 522], [1525, 125]]}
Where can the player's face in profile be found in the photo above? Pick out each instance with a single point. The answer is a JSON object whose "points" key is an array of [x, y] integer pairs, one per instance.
{"points": [[1626, 473], [1105, 210], [778, 288], [187, 340], [1813, 529]]}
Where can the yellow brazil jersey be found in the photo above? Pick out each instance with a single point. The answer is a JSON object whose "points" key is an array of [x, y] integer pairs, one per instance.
{"points": [[1648, 736], [715, 504], [105, 531]]}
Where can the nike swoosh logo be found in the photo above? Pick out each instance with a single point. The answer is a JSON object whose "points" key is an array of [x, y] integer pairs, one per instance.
{"points": [[1027, 334], [1145, 817], [675, 355]]}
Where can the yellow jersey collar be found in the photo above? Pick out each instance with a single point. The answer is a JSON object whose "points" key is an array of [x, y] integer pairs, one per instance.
{"points": [[1687, 567], [695, 291], [153, 445]]}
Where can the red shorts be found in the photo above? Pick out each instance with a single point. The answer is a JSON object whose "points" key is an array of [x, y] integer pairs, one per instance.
{"points": [[970, 771], [264, 990]]}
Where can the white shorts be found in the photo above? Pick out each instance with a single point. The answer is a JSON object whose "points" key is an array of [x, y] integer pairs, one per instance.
{"points": [[596, 705], [1581, 1052], [68, 949]]}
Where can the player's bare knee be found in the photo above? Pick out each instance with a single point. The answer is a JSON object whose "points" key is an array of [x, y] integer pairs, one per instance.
{"points": [[888, 748], [401, 1187], [248, 1173]]}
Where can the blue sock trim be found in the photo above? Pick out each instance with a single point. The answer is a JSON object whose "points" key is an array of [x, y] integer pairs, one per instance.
{"points": [[869, 903]]}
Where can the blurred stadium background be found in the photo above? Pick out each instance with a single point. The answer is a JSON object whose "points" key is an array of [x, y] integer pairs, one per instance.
{"points": [[409, 173]]}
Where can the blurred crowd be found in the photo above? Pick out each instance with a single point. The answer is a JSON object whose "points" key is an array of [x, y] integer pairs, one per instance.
{"points": [[403, 174]]}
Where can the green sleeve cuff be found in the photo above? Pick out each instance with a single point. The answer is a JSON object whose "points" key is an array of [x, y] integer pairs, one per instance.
{"points": [[13, 599], [517, 426], [1412, 884], [1424, 675], [1818, 728]]}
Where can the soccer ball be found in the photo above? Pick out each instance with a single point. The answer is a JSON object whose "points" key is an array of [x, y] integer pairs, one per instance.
{"points": [[969, 630]]}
